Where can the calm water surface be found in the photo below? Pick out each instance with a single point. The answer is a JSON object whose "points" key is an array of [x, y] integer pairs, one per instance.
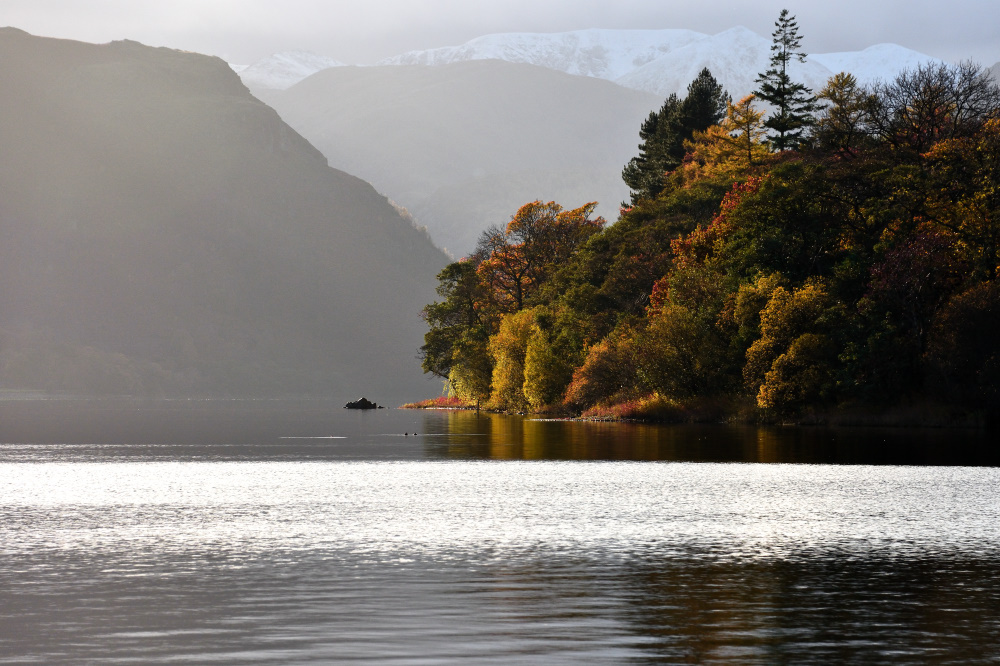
{"points": [[301, 533]]}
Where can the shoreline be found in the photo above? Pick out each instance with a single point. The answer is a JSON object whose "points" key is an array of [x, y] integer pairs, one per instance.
{"points": [[656, 411]]}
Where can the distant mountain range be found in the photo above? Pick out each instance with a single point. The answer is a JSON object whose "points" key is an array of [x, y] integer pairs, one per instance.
{"points": [[164, 232], [461, 136], [655, 61], [463, 145]]}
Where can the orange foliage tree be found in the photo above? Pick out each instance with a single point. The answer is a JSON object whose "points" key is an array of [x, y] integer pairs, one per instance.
{"points": [[519, 258]]}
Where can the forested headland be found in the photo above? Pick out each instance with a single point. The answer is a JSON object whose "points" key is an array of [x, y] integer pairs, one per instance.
{"points": [[792, 255]]}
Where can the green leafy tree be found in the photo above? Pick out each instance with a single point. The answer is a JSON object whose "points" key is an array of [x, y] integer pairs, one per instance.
{"points": [[547, 368], [793, 102], [458, 316], [963, 347]]}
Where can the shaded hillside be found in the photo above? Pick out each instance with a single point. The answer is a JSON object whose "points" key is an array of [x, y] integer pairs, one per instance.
{"points": [[161, 230], [463, 145]]}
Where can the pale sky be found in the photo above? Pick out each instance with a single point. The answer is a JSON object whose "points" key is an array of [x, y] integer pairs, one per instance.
{"points": [[363, 31]]}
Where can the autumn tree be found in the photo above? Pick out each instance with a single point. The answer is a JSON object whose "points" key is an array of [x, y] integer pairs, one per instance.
{"points": [[934, 102], [509, 348], [964, 195], [792, 364], [730, 149], [841, 127], [517, 260], [793, 102]]}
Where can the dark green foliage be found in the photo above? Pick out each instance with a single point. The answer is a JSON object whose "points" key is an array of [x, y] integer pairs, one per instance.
{"points": [[963, 349], [453, 319], [664, 132], [788, 226], [793, 102]]}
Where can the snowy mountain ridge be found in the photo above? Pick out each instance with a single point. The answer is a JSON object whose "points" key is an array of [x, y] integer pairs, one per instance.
{"points": [[654, 61], [283, 70], [604, 54]]}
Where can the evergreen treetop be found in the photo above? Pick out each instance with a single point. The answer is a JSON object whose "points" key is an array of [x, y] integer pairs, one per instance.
{"points": [[664, 132], [793, 102]]}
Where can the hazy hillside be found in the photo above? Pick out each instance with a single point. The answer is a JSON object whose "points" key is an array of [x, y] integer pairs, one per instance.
{"points": [[463, 145], [164, 231]]}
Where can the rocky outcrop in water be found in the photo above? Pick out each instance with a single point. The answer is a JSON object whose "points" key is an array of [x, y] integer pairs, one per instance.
{"points": [[361, 403]]}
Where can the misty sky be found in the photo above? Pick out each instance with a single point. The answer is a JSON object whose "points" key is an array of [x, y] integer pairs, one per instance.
{"points": [[362, 31]]}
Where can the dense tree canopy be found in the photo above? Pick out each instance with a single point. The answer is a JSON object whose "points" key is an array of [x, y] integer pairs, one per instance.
{"points": [[857, 272]]}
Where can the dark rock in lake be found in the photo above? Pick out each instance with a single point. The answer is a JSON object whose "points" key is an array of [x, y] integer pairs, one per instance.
{"points": [[361, 403]]}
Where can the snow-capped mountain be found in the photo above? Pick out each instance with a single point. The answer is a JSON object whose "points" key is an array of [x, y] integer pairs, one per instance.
{"points": [[605, 54], [654, 61], [735, 58], [283, 70], [878, 62]]}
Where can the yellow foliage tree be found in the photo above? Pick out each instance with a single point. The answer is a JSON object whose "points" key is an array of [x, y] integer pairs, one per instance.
{"points": [[840, 128], [791, 364], [508, 347], [732, 148], [546, 372]]}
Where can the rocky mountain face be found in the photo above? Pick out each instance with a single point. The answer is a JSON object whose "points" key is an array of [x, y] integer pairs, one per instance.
{"points": [[464, 145], [164, 232]]}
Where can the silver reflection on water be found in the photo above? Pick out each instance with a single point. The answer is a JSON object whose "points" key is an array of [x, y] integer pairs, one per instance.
{"points": [[488, 562], [303, 551], [434, 509]]}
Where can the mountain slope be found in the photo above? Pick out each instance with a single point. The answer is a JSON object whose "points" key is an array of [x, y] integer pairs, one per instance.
{"points": [[462, 146], [165, 232]]}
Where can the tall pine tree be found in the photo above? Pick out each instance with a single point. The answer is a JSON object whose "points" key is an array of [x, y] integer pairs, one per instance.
{"points": [[793, 102], [663, 134]]}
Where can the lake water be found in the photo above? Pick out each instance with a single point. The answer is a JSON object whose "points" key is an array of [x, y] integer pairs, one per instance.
{"points": [[254, 532]]}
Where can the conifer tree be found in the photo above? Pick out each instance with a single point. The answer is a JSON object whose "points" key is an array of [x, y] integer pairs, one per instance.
{"points": [[644, 173], [663, 133], [793, 102]]}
